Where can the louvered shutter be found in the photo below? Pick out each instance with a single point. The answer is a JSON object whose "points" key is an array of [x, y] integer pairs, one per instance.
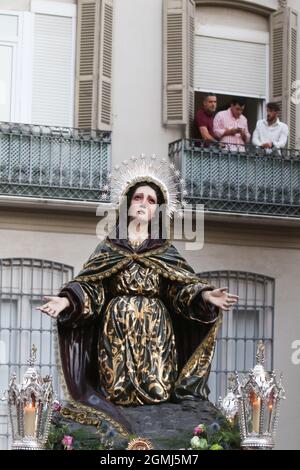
{"points": [[284, 26], [191, 54], [178, 46], [94, 64], [105, 62]]}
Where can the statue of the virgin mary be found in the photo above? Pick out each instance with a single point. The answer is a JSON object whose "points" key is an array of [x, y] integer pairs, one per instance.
{"points": [[137, 325]]}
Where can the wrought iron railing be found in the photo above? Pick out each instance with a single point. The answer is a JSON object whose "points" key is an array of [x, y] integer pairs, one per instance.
{"points": [[53, 162], [246, 180]]}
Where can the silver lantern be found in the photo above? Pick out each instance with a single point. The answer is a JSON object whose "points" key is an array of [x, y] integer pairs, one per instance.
{"points": [[30, 408], [229, 405], [259, 397]]}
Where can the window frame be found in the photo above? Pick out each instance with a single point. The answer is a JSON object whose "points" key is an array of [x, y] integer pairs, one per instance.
{"points": [[221, 376]]}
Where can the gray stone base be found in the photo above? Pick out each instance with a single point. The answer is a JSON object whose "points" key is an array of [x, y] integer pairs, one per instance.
{"points": [[166, 425], [170, 425]]}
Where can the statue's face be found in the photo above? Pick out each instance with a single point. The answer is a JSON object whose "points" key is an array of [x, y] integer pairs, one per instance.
{"points": [[143, 204]]}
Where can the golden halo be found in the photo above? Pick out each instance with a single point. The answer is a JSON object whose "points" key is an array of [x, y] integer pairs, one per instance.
{"points": [[140, 444]]}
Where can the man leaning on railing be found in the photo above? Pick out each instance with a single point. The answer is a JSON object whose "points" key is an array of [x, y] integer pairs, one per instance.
{"points": [[205, 119], [271, 134]]}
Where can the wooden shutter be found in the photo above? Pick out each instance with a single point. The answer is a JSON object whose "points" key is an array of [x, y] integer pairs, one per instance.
{"points": [[191, 54], [178, 69], [105, 61], [94, 64], [284, 27]]}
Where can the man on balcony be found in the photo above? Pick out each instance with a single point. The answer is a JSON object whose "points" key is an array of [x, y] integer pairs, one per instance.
{"points": [[231, 126], [205, 119], [271, 134]]}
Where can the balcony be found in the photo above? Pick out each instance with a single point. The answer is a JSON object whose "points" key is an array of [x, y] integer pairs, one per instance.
{"points": [[52, 162], [241, 181]]}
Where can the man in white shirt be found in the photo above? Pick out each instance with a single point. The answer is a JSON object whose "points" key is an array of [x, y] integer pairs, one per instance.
{"points": [[271, 134]]}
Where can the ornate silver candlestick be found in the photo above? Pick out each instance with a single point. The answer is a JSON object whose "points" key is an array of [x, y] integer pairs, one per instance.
{"points": [[30, 408]]}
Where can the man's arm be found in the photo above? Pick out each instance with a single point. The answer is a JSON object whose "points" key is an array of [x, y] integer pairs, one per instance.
{"points": [[245, 134], [281, 142], [205, 134], [220, 129], [256, 137]]}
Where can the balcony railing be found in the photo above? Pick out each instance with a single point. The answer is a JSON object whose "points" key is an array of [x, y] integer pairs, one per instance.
{"points": [[53, 162], [242, 180]]}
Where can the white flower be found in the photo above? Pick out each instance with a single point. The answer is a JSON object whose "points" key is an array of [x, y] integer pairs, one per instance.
{"points": [[195, 442]]}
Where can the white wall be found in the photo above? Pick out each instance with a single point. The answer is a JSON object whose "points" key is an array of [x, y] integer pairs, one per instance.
{"points": [[244, 25], [137, 81]]}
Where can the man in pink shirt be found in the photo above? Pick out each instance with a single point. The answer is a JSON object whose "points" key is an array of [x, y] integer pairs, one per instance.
{"points": [[231, 126]]}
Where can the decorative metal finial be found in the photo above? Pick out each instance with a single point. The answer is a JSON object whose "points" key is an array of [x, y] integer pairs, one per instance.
{"points": [[282, 3], [32, 359], [231, 381], [229, 405], [260, 354]]}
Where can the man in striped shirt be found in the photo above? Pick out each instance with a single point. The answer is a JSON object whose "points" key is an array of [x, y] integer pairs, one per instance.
{"points": [[231, 126]]}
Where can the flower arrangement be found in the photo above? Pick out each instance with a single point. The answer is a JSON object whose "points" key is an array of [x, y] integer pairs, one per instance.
{"points": [[64, 435], [216, 437], [64, 438]]}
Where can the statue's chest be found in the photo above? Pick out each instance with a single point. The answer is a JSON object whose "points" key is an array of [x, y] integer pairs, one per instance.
{"points": [[136, 279]]}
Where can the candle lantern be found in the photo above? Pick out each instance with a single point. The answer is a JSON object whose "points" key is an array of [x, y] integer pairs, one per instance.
{"points": [[259, 397], [30, 408]]}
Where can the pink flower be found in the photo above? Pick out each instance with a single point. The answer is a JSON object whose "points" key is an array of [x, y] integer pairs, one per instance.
{"points": [[199, 430], [56, 406], [67, 442]]}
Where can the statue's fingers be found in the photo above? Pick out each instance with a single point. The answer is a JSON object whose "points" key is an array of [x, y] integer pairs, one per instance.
{"points": [[47, 297], [43, 310], [41, 307]]}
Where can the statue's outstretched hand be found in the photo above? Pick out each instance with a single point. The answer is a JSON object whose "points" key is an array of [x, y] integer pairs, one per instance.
{"points": [[221, 298], [54, 306]]}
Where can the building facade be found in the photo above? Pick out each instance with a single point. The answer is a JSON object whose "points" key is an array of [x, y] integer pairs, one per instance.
{"points": [[84, 85]]}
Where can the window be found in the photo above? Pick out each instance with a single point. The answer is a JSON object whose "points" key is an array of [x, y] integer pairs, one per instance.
{"points": [[250, 321], [11, 27], [254, 109], [23, 283], [37, 74], [227, 43]]}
